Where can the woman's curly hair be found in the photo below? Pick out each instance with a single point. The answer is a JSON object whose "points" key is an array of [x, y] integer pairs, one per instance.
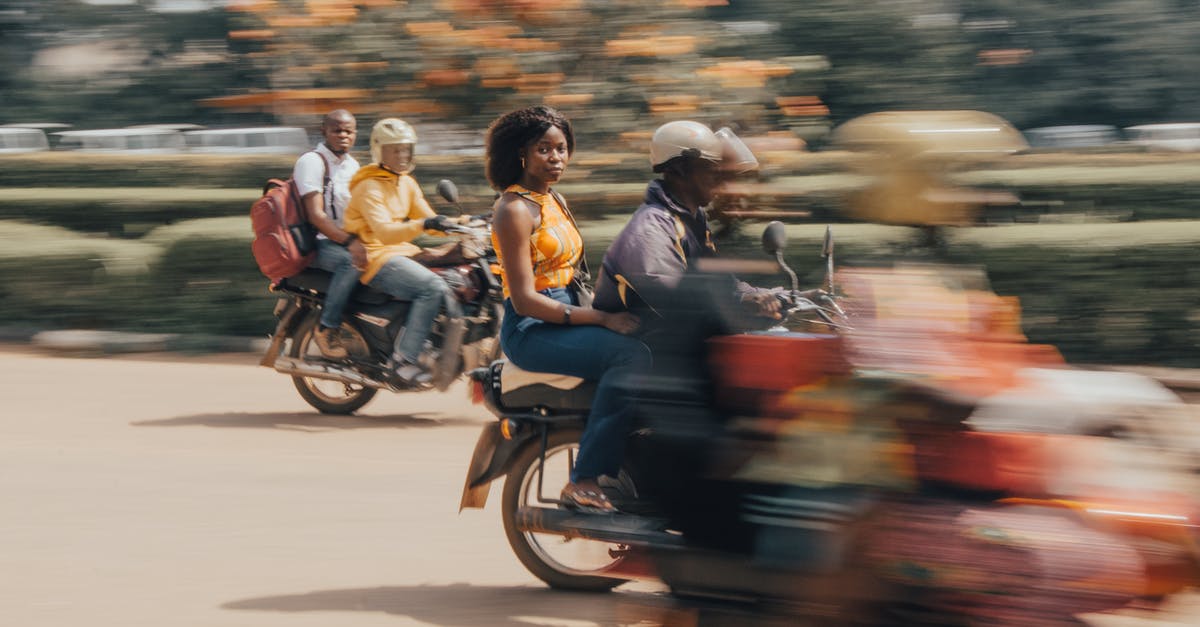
{"points": [[512, 132]]}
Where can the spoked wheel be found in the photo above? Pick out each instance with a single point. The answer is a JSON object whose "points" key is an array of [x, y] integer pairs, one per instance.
{"points": [[328, 396], [564, 563]]}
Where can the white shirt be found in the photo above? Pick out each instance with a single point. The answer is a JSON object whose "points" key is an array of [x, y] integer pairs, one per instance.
{"points": [[309, 175]]}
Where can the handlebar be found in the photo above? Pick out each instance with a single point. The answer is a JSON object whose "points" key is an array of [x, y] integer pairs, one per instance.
{"points": [[816, 302]]}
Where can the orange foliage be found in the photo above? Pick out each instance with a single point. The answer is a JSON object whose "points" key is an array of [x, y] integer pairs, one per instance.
{"points": [[661, 46], [253, 6], [261, 33], [743, 73], [685, 103], [568, 100], [801, 106], [444, 78]]}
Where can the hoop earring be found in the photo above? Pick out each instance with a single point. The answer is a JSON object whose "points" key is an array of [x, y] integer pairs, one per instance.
{"points": [[522, 163]]}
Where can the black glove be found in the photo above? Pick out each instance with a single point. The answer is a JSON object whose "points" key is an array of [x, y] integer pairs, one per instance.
{"points": [[437, 223]]}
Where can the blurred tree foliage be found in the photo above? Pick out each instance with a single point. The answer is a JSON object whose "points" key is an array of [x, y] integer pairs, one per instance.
{"points": [[621, 64]]}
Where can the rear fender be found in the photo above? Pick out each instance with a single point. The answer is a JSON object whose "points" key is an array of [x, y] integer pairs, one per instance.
{"points": [[493, 457]]}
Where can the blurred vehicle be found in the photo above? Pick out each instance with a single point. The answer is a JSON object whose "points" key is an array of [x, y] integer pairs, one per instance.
{"points": [[895, 453], [1075, 136], [131, 140], [16, 140], [1182, 137], [374, 319], [258, 140]]}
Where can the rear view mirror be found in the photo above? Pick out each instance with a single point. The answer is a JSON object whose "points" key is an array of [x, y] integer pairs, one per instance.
{"points": [[448, 190], [774, 238]]}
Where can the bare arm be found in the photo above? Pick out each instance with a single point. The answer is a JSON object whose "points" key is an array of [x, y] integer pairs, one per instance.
{"points": [[513, 225]]}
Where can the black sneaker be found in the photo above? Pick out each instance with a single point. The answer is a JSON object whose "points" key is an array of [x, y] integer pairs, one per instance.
{"points": [[329, 341]]}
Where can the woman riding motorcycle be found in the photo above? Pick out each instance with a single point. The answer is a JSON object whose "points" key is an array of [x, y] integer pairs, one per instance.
{"points": [[546, 329], [386, 212]]}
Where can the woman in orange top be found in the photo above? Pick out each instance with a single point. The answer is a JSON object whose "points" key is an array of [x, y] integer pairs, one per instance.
{"points": [[545, 329]]}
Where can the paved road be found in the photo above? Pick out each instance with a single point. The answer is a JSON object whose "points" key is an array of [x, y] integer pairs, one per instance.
{"points": [[180, 492], [206, 493]]}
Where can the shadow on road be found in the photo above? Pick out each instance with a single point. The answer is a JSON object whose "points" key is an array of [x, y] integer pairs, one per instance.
{"points": [[462, 605], [309, 422]]}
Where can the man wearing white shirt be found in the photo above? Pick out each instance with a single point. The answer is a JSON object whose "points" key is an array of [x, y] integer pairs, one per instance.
{"points": [[323, 178]]}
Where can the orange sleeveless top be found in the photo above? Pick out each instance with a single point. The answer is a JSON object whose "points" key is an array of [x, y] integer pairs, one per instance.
{"points": [[555, 246]]}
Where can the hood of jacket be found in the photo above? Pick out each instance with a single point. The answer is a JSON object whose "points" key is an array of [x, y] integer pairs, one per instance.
{"points": [[373, 171]]}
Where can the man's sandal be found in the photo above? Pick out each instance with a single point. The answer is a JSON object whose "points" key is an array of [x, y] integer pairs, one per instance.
{"points": [[575, 497]]}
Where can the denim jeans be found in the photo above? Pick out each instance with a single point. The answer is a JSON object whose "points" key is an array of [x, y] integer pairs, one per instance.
{"points": [[406, 279], [336, 259], [589, 352]]}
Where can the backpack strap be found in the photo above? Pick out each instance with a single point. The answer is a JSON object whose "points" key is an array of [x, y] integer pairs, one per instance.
{"points": [[326, 190]]}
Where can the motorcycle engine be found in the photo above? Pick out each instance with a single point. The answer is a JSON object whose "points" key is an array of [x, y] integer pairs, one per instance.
{"points": [[462, 282]]}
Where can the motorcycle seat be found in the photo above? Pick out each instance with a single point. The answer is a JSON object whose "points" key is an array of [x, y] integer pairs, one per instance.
{"points": [[522, 389], [316, 280]]}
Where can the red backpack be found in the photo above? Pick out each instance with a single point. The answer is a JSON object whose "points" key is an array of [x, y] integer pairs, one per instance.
{"points": [[284, 242]]}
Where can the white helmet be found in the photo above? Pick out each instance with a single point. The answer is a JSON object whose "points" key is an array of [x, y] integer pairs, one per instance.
{"points": [[390, 131], [683, 138]]}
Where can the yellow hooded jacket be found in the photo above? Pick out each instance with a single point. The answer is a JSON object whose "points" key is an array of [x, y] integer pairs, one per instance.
{"points": [[386, 211]]}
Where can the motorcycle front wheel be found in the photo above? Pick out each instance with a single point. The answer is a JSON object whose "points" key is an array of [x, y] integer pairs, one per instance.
{"points": [[325, 395], [563, 563]]}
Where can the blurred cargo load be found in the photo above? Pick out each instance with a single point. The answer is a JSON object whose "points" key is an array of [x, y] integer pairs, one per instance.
{"points": [[908, 153]]}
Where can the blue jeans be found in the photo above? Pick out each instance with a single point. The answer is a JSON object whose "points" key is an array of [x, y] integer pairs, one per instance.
{"points": [[336, 259], [405, 279], [589, 352]]}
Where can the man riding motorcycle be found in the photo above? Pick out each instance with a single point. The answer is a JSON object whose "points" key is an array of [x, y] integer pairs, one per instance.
{"points": [[386, 212], [669, 232]]}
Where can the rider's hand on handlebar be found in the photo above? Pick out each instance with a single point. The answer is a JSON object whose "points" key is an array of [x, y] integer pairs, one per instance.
{"points": [[438, 223], [765, 303]]}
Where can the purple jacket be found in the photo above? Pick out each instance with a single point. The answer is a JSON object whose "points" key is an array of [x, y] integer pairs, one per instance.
{"points": [[651, 254]]}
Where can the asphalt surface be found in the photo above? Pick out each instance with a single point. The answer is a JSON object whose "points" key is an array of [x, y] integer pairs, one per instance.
{"points": [[164, 490], [205, 492]]}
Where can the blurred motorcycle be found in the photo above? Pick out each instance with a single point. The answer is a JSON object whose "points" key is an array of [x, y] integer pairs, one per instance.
{"points": [[894, 452], [374, 319]]}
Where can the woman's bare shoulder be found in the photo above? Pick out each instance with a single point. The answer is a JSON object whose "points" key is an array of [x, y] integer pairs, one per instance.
{"points": [[510, 203]]}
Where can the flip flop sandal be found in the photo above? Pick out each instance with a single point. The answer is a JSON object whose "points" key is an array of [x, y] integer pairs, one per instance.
{"points": [[586, 499]]}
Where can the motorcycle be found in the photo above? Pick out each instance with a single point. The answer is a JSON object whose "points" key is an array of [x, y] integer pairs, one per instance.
{"points": [[460, 341], [893, 452]]}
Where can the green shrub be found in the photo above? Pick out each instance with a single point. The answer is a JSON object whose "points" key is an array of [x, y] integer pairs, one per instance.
{"points": [[1103, 293]]}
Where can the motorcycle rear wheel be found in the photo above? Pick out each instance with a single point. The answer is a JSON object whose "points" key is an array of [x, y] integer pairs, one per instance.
{"points": [[548, 556], [326, 396]]}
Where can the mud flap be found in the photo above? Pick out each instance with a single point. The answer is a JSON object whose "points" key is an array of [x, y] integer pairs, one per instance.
{"points": [[476, 488], [448, 364], [286, 309]]}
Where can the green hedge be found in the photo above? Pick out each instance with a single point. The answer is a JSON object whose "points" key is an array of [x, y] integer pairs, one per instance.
{"points": [[1103, 293], [126, 196]]}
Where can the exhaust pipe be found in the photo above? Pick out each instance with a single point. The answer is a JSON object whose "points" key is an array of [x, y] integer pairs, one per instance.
{"points": [[615, 528], [299, 367]]}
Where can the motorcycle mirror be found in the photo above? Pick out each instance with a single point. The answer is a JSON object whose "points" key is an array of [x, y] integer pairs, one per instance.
{"points": [[774, 238], [448, 190]]}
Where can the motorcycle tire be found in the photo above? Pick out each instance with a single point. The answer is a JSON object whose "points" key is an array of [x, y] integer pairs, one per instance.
{"points": [[526, 546], [313, 391]]}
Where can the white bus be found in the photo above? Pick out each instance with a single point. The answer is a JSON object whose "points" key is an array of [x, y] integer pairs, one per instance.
{"points": [[260, 140], [1183, 136], [135, 140], [16, 139]]}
